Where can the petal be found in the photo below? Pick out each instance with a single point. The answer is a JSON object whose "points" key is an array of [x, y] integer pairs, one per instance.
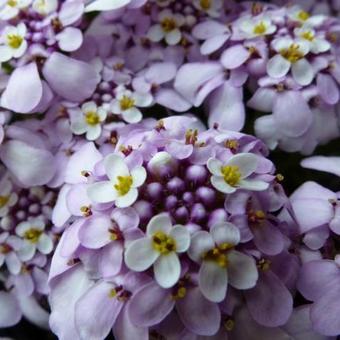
{"points": [[94, 233], [45, 244], [132, 115], [115, 166], [24, 89], [214, 165], [64, 75], [242, 270], [10, 313], [128, 199], [225, 232], [160, 73], [220, 184], [70, 39], [328, 89], [102, 192], [199, 315], [213, 281], [234, 57], [213, 44], [246, 162], [253, 185], [158, 307], [173, 37], [303, 72], [167, 270], [105, 5], [278, 66], [160, 222], [125, 218], [97, 302], [181, 236], [111, 259], [140, 255], [71, 11], [139, 176], [201, 242], [172, 100], [33, 312], [13, 263]]}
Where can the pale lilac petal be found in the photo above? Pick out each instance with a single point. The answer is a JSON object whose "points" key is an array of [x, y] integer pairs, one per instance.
{"points": [[303, 72], [278, 66], [234, 57], [105, 5], [71, 11], [181, 236], [10, 313], [160, 222], [201, 242], [172, 100], [225, 232], [323, 163], [111, 259], [70, 39], [167, 269], [328, 88]]}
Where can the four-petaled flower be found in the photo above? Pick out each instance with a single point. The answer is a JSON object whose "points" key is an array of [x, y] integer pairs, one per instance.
{"points": [[12, 42]]}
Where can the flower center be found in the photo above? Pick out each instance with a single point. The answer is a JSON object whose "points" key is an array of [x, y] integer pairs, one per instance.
{"points": [[260, 28], [115, 234], [256, 216], [124, 185], [292, 54], [14, 40], [5, 248], [168, 24], [263, 265], [229, 324], [205, 4], [303, 15], [218, 255], [191, 136], [12, 3], [32, 235], [92, 118], [126, 103], [163, 243], [3, 201], [231, 174], [179, 293], [120, 294], [308, 35]]}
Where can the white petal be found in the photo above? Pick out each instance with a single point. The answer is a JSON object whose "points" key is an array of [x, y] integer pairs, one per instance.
{"points": [[155, 33], [45, 244], [160, 222], [128, 199], [5, 53], [167, 270], [132, 115], [182, 237], [278, 66], [138, 176], [13, 263], [282, 43], [102, 192], [225, 232], [303, 72], [213, 281], [214, 165], [254, 185], [22, 228], [201, 242], [173, 37], [105, 5], [246, 162], [27, 251], [140, 255], [220, 184], [115, 166], [78, 126], [93, 132], [242, 270]]}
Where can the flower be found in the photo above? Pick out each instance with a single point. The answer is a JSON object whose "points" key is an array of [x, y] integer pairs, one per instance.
{"points": [[211, 7], [159, 248], [220, 263], [232, 175], [12, 8], [88, 120], [122, 186], [252, 27], [44, 7], [12, 42]]}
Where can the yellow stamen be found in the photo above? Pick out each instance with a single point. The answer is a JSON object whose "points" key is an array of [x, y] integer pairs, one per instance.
{"points": [[168, 24], [3, 201], [126, 103], [231, 174], [113, 293], [124, 185], [14, 40], [264, 265], [229, 324], [218, 256], [308, 35], [92, 118], [303, 15], [292, 53], [12, 3], [32, 235], [205, 4], [260, 28], [279, 177], [231, 144], [163, 243], [180, 293]]}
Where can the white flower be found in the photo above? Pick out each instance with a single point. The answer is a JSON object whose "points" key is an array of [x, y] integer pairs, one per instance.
{"points": [[8, 198], [12, 8], [12, 42], [159, 248], [9, 245], [317, 43], [122, 186], [252, 27], [220, 263], [45, 7], [88, 120], [127, 102], [168, 28], [211, 7], [291, 55], [228, 177], [297, 14], [34, 237]]}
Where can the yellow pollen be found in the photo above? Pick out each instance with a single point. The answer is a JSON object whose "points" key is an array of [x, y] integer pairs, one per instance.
{"points": [[231, 174], [218, 256], [14, 40], [86, 211], [124, 185], [113, 293], [260, 28], [229, 324], [231, 144], [303, 15], [308, 35], [180, 293], [32, 235], [264, 265], [12, 3], [292, 54], [163, 243], [126, 103], [3, 201], [279, 177], [92, 118], [191, 136], [168, 24], [205, 4]]}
